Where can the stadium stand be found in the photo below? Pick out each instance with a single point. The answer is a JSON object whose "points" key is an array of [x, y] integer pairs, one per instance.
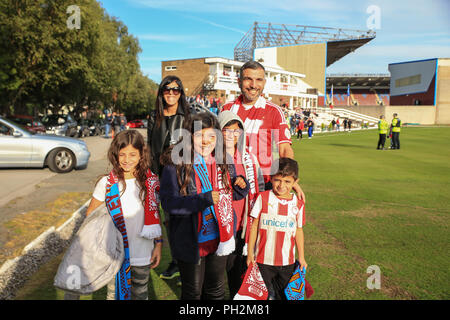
{"points": [[365, 89]]}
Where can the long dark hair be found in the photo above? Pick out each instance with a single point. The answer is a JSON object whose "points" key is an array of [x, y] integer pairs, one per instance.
{"points": [[122, 140], [160, 104], [185, 167]]}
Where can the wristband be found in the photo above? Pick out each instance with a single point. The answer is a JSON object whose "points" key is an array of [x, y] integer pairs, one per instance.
{"points": [[159, 240]]}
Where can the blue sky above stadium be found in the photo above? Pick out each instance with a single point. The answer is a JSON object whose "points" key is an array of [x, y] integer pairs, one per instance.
{"points": [[181, 29]]}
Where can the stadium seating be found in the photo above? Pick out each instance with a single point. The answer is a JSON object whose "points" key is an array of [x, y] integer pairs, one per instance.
{"points": [[362, 97]]}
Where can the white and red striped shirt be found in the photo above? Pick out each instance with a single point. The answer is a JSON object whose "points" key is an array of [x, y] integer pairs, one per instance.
{"points": [[264, 122], [278, 223]]}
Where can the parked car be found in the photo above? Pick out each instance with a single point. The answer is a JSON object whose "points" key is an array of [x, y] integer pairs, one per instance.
{"points": [[32, 123], [135, 124], [20, 147], [61, 125]]}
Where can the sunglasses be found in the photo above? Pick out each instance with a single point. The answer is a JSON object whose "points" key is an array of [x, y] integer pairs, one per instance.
{"points": [[175, 90]]}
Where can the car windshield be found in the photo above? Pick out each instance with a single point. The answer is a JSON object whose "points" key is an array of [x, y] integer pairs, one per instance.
{"points": [[53, 119], [21, 126]]}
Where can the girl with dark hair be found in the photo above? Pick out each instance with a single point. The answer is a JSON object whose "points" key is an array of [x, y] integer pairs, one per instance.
{"points": [[197, 191], [164, 125], [129, 191]]}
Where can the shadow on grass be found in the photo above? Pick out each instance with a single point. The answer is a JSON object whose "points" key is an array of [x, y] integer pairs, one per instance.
{"points": [[351, 146]]}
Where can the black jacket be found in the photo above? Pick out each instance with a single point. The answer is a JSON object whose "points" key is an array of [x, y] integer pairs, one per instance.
{"points": [[183, 211], [159, 138]]}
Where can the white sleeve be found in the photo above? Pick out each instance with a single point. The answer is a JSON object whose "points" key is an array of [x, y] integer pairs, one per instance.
{"points": [[256, 211], [301, 217], [100, 189]]}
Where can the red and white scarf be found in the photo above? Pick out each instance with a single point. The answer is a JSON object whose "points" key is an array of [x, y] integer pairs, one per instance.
{"points": [[253, 286], [223, 210], [251, 173], [152, 225]]}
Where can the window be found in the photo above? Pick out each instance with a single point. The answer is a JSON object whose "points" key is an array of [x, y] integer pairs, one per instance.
{"points": [[408, 81], [171, 68], [5, 130]]}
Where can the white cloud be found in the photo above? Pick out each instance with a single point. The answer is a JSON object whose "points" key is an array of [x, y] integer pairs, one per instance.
{"points": [[214, 24]]}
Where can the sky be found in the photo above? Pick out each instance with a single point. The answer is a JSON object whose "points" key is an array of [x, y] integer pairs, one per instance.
{"points": [[406, 30]]}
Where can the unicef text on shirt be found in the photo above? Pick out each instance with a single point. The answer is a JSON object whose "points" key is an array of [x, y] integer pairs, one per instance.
{"points": [[286, 223]]}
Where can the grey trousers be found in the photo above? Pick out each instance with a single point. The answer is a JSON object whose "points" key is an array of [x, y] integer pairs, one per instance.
{"points": [[139, 285]]}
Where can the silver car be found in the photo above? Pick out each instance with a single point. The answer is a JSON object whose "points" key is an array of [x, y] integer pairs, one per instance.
{"points": [[22, 148]]}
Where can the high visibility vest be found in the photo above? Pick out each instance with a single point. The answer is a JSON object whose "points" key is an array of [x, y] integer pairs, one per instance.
{"points": [[396, 124], [383, 126]]}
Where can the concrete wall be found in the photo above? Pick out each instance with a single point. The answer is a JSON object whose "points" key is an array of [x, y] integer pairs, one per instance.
{"points": [[309, 60], [408, 114], [412, 114], [443, 92]]}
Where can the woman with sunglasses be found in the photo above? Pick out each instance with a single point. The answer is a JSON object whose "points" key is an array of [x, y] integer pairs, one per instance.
{"points": [[171, 112]]}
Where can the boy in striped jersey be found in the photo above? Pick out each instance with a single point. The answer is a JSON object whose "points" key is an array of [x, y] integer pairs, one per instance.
{"points": [[276, 230]]}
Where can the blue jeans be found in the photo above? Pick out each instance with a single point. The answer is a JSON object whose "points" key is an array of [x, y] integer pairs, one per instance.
{"points": [[107, 130], [310, 131]]}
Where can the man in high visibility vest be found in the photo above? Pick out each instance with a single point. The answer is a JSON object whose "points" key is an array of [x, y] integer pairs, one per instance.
{"points": [[395, 127], [383, 127]]}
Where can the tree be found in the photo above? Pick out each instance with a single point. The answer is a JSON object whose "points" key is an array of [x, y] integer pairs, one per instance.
{"points": [[45, 63]]}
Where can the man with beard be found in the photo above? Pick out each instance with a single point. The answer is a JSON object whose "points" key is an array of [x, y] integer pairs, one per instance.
{"points": [[264, 121]]}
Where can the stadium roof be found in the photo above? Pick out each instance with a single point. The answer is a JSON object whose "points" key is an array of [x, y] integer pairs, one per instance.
{"points": [[359, 81], [340, 41]]}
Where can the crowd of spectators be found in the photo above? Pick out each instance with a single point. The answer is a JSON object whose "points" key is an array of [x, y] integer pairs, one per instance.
{"points": [[301, 119], [206, 102]]}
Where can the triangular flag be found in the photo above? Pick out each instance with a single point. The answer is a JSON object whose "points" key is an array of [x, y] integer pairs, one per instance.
{"points": [[295, 290], [253, 286]]}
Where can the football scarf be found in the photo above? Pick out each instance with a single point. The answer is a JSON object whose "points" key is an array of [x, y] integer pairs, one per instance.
{"points": [[150, 230], [298, 286], [253, 286], [252, 177], [215, 221], [152, 226], [114, 206]]}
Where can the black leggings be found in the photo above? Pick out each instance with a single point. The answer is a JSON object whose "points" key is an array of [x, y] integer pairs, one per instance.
{"points": [[203, 280]]}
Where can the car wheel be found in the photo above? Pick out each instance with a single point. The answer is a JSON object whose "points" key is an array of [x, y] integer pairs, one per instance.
{"points": [[61, 160]]}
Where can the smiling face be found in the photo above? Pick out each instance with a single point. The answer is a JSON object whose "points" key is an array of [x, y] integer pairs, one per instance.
{"points": [[128, 159], [171, 94], [205, 141], [231, 135], [282, 186], [252, 82]]}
